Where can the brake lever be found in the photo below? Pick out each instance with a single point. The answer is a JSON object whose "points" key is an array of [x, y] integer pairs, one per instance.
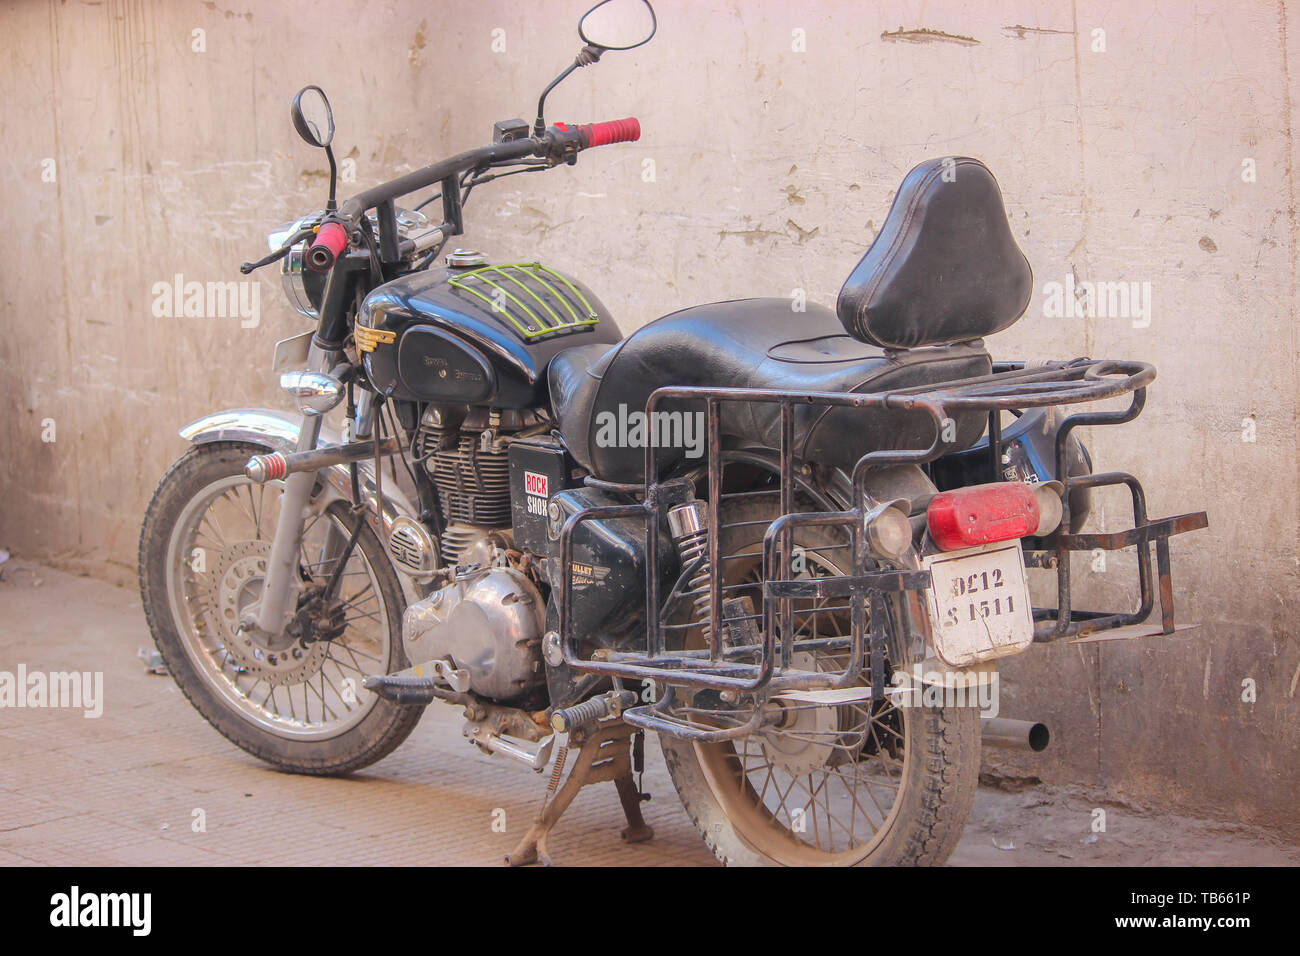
{"points": [[280, 253]]}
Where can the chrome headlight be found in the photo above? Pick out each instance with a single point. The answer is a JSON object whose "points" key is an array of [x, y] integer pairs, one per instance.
{"points": [[291, 275], [291, 279], [411, 224]]}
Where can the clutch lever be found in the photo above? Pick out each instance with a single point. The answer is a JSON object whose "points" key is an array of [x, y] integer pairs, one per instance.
{"points": [[297, 237]]}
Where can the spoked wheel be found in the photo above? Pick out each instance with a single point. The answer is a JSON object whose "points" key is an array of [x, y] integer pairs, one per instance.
{"points": [[294, 699], [823, 784]]}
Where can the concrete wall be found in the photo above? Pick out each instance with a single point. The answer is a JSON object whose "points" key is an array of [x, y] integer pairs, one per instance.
{"points": [[777, 134]]}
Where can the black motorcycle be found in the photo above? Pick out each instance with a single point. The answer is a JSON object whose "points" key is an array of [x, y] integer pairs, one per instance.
{"points": [[793, 542]]}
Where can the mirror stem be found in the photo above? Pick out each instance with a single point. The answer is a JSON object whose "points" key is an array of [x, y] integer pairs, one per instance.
{"points": [[586, 56], [332, 204]]}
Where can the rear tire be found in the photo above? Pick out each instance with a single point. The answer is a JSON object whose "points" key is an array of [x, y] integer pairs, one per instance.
{"points": [[937, 781], [367, 738], [937, 795]]}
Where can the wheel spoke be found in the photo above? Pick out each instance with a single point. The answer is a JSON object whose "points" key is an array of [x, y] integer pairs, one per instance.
{"points": [[229, 520]]}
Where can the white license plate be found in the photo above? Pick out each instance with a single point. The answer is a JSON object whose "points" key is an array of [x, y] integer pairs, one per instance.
{"points": [[979, 603]]}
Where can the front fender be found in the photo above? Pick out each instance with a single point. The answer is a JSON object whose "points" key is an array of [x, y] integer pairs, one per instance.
{"points": [[278, 431]]}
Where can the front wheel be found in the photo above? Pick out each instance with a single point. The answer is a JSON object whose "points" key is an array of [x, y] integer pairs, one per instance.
{"points": [[830, 784], [296, 700]]}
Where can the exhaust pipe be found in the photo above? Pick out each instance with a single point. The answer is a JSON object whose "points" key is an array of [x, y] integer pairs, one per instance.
{"points": [[1027, 734]]}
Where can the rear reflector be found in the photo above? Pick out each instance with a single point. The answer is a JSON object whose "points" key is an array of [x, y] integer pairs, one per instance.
{"points": [[980, 514]]}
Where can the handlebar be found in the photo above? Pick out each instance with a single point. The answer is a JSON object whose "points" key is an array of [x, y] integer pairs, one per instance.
{"points": [[559, 144], [353, 208]]}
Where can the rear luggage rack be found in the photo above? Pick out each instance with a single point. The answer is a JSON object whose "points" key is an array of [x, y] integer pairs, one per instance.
{"points": [[731, 688]]}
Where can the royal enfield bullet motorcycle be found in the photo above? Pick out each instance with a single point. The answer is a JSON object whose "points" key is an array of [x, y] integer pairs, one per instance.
{"points": [[790, 541]]}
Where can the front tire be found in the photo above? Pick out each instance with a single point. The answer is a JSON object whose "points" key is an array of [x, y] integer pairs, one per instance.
{"points": [[300, 708]]}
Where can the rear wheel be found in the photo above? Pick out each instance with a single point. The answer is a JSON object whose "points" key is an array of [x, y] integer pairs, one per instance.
{"points": [[845, 784], [295, 700]]}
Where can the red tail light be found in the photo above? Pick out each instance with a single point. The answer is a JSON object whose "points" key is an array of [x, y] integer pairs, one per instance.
{"points": [[980, 514]]}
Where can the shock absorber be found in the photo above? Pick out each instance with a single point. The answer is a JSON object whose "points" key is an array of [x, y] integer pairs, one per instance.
{"points": [[689, 526]]}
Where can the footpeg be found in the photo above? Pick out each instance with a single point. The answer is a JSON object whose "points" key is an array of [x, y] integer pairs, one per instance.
{"points": [[569, 719]]}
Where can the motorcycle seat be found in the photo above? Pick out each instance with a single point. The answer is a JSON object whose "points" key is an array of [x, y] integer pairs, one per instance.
{"points": [[748, 343], [943, 272], [944, 267]]}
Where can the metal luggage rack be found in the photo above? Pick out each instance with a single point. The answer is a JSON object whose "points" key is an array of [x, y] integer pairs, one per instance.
{"points": [[740, 663]]}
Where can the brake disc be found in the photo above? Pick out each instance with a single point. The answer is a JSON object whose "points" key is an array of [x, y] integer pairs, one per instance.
{"points": [[237, 576]]}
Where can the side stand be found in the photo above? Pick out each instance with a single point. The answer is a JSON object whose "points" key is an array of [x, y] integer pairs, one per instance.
{"points": [[604, 754]]}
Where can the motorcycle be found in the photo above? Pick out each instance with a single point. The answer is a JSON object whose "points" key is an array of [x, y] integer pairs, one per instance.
{"points": [[793, 542]]}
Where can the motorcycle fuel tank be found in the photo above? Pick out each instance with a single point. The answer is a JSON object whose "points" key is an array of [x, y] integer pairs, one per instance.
{"points": [[476, 333]]}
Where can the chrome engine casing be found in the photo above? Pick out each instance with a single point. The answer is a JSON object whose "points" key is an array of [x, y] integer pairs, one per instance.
{"points": [[488, 621]]}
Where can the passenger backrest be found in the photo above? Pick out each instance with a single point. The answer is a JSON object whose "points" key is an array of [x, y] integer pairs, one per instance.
{"points": [[944, 267]]}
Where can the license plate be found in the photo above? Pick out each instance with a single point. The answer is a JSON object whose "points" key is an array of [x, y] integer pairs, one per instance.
{"points": [[979, 603]]}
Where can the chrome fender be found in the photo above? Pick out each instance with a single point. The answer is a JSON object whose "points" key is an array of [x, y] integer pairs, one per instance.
{"points": [[278, 431]]}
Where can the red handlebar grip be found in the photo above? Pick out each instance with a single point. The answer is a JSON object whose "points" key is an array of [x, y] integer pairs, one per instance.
{"points": [[331, 240], [614, 131]]}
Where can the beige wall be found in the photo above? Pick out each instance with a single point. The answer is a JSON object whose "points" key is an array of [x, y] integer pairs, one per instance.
{"points": [[772, 169]]}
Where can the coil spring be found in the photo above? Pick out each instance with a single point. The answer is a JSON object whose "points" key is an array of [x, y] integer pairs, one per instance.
{"points": [[695, 547], [556, 773]]}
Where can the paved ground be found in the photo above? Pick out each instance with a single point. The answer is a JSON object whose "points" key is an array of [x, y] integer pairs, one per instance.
{"points": [[125, 788]]}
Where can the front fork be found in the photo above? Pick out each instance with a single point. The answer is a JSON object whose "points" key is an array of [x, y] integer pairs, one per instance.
{"points": [[275, 609]]}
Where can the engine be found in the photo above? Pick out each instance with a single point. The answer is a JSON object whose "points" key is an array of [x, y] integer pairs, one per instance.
{"points": [[465, 452], [488, 621], [485, 616]]}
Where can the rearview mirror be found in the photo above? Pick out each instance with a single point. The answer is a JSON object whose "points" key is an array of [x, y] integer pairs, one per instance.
{"points": [[609, 25], [312, 116], [618, 24]]}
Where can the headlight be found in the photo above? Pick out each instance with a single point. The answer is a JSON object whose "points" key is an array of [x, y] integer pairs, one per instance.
{"points": [[291, 278], [411, 224], [291, 275]]}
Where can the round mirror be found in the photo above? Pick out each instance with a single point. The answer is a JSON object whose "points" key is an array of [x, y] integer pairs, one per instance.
{"points": [[618, 24], [312, 116]]}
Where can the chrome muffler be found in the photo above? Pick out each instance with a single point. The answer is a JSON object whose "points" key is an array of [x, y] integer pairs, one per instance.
{"points": [[1024, 734]]}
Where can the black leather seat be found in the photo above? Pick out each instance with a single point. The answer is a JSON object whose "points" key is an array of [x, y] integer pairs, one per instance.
{"points": [[944, 271], [944, 267], [750, 343]]}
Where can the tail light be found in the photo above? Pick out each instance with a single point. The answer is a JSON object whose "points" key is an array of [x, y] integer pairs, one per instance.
{"points": [[889, 530], [981, 514]]}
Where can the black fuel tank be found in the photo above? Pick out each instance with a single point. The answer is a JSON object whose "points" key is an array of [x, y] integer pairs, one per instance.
{"points": [[479, 334]]}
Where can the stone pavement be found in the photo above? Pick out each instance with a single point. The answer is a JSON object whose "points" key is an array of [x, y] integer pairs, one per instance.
{"points": [[124, 788]]}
